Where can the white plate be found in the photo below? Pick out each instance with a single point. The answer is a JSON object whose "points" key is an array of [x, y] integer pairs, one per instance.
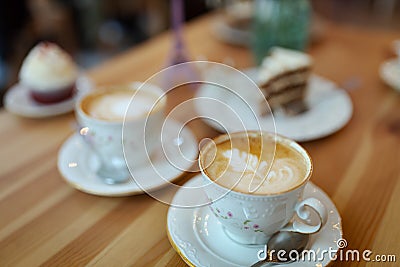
{"points": [[390, 73], [330, 109], [229, 34], [199, 239], [78, 165], [18, 101]]}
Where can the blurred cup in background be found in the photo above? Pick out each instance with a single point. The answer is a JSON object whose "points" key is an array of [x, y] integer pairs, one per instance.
{"points": [[284, 23]]}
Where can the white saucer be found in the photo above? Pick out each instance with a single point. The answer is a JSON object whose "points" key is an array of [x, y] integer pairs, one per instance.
{"points": [[330, 109], [390, 73], [78, 165], [199, 238], [18, 101]]}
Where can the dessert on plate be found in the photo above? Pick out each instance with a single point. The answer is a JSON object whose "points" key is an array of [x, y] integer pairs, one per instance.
{"points": [[49, 73], [283, 78]]}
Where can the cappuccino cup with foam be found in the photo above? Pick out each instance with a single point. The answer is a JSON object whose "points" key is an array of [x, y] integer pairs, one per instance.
{"points": [[122, 125], [255, 181]]}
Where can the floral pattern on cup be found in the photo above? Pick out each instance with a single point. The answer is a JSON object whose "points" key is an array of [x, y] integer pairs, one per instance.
{"points": [[246, 225]]}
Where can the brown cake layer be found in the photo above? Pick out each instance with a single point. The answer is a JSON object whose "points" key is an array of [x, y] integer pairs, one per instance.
{"points": [[293, 94], [285, 75], [293, 87], [52, 96]]}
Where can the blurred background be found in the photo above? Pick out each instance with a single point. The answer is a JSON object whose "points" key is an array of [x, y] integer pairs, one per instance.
{"points": [[94, 30]]}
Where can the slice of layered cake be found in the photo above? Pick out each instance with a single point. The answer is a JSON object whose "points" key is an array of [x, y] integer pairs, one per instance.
{"points": [[283, 78]]}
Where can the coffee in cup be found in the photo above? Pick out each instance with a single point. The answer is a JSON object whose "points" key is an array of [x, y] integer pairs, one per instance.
{"points": [[255, 181], [244, 165], [111, 105], [122, 126]]}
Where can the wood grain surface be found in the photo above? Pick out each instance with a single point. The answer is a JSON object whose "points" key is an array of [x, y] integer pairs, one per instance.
{"points": [[43, 221]]}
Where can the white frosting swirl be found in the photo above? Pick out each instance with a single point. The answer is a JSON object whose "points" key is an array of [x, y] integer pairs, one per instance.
{"points": [[282, 60], [48, 67]]}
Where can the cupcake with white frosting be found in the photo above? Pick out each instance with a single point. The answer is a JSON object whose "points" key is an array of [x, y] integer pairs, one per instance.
{"points": [[49, 73]]}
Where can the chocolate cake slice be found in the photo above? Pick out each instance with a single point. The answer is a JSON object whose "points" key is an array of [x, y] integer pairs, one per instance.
{"points": [[283, 78]]}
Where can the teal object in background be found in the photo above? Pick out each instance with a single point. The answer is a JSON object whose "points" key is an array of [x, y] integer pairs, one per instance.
{"points": [[283, 23]]}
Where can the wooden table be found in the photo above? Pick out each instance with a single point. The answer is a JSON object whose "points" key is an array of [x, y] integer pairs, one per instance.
{"points": [[45, 221]]}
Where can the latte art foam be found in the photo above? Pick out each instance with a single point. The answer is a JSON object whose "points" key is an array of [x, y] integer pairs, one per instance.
{"points": [[113, 105], [253, 171]]}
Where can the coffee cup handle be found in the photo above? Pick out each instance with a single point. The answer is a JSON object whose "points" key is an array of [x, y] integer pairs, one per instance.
{"points": [[301, 226]]}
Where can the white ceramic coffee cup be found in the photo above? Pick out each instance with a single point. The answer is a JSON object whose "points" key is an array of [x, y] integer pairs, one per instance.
{"points": [[252, 218], [130, 142]]}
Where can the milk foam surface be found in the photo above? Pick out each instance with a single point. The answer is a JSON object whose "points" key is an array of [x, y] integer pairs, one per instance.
{"points": [[113, 106], [245, 172]]}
